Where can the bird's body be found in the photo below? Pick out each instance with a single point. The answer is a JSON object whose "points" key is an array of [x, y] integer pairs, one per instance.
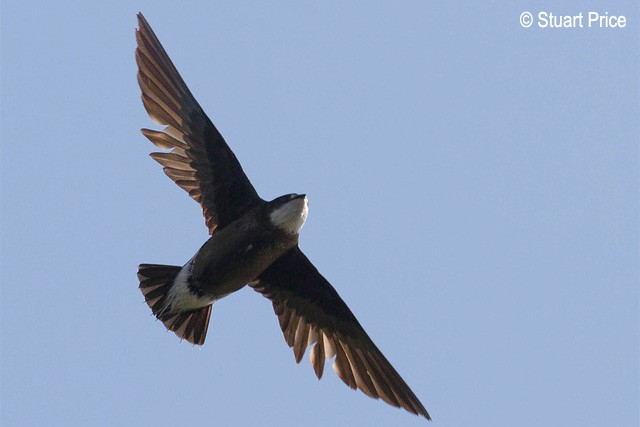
{"points": [[237, 254], [252, 242], [230, 259]]}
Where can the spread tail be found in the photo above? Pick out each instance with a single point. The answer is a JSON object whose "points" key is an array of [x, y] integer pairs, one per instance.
{"points": [[155, 282]]}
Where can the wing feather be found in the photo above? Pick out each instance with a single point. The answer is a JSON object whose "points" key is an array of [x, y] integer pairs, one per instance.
{"points": [[311, 312], [200, 161], [317, 356]]}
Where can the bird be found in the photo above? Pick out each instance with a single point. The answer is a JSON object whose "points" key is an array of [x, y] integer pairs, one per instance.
{"points": [[252, 243]]}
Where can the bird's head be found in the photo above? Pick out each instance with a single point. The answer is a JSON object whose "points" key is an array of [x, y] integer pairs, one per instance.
{"points": [[289, 212]]}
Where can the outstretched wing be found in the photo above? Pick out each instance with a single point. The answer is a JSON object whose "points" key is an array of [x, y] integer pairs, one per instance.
{"points": [[199, 159], [311, 311]]}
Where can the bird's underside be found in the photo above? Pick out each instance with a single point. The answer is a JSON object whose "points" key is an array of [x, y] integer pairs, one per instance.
{"points": [[310, 311]]}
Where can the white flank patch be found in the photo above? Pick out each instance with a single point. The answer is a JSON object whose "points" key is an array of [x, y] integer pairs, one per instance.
{"points": [[291, 216], [179, 297]]}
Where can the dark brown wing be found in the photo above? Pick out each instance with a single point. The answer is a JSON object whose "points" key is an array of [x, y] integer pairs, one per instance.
{"points": [[311, 311], [200, 161]]}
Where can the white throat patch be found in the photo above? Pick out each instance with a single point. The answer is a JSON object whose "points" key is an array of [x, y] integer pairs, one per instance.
{"points": [[291, 216]]}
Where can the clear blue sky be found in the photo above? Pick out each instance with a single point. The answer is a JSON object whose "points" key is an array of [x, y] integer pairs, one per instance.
{"points": [[473, 193]]}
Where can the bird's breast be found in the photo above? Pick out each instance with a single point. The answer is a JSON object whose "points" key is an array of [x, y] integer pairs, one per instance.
{"points": [[235, 256]]}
